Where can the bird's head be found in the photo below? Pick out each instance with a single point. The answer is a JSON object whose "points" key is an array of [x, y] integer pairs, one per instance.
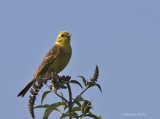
{"points": [[63, 38]]}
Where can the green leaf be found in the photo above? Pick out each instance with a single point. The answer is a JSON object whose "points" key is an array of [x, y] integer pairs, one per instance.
{"points": [[87, 82], [90, 84], [74, 109], [84, 80], [44, 95], [50, 86], [50, 108], [45, 106], [73, 114], [42, 106], [77, 102], [92, 115], [86, 106], [99, 87], [79, 98], [99, 116], [71, 81], [76, 82]]}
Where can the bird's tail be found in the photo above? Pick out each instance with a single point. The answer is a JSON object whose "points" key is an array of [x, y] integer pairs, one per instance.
{"points": [[24, 91]]}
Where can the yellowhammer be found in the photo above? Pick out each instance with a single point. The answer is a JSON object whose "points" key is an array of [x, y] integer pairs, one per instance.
{"points": [[55, 60]]}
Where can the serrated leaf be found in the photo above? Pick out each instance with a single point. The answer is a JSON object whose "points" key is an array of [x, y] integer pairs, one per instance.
{"points": [[73, 114], [50, 108], [44, 95], [76, 82], [42, 106], [99, 87], [84, 80]]}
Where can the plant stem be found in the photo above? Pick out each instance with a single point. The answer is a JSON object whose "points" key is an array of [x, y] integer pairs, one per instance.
{"points": [[83, 91], [61, 96], [70, 100]]}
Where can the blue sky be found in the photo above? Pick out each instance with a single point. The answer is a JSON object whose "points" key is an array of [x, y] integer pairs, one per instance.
{"points": [[120, 36]]}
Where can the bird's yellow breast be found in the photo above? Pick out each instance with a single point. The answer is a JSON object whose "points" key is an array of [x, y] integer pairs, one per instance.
{"points": [[61, 60]]}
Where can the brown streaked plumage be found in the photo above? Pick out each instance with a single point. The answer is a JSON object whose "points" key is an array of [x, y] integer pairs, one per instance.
{"points": [[55, 60]]}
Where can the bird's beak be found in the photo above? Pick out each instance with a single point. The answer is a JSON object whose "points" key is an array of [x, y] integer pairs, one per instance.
{"points": [[69, 34]]}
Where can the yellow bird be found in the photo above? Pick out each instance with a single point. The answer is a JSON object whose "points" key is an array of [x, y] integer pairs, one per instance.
{"points": [[55, 60]]}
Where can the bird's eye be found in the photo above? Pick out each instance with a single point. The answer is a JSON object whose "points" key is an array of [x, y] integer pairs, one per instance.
{"points": [[62, 35]]}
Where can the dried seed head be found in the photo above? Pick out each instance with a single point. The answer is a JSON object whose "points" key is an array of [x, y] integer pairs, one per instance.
{"points": [[45, 80], [33, 92], [96, 74], [35, 85], [39, 81], [40, 86], [31, 104], [67, 78]]}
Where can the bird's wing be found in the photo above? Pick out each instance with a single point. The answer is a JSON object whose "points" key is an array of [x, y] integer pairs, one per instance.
{"points": [[49, 58]]}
